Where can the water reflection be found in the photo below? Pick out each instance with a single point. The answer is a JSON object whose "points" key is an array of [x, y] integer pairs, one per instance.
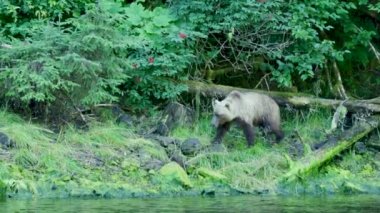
{"points": [[362, 203]]}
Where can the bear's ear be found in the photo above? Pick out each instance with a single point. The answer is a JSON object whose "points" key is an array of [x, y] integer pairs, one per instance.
{"points": [[235, 94]]}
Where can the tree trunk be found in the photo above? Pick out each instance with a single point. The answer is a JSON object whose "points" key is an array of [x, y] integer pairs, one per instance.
{"points": [[287, 98], [339, 83], [330, 148]]}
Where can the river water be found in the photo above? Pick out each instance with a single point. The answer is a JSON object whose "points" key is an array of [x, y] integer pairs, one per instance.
{"points": [[235, 204]]}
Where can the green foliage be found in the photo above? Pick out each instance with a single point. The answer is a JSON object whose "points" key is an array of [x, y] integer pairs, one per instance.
{"points": [[78, 53], [15, 15], [375, 7], [161, 57], [85, 65], [108, 53], [3, 190], [295, 39]]}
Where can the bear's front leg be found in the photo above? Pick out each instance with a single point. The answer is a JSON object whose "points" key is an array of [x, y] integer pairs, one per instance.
{"points": [[220, 132], [247, 129], [249, 133]]}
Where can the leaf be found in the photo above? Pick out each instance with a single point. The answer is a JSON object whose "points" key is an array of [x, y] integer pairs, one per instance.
{"points": [[111, 6], [161, 21], [161, 17], [136, 13]]}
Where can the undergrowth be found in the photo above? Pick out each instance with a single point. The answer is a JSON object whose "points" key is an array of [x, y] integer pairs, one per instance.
{"points": [[111, 160]]}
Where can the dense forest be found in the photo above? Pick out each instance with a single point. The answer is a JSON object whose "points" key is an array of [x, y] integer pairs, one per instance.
{"points": [[113, 97]]}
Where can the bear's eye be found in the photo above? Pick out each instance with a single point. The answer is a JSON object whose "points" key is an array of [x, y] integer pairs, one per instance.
{"points": [[227, 106]]}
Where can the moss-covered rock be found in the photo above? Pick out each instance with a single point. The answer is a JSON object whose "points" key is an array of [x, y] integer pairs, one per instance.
{"points": [[208, 173], [173, 171]]}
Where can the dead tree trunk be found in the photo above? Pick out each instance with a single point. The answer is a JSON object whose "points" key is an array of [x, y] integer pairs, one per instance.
{"points": [[339, 82], [330, 148], [287, 98]]}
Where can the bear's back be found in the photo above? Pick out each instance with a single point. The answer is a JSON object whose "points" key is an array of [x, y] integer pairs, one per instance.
{"points": [[256, 106]]}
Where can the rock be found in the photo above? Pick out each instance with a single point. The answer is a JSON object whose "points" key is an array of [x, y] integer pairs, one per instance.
{"points": [[124, 119], [144, 158], [208, 192], [164, 141], [179, 158], [296, 149], [218, 189], [117, 111], [5, 141], [176, 155], [149, 159], [360, 148], [173, 171], [162, 129], [208, 173], [154, 164], [173, 115], [177, 114], [191, 146]]}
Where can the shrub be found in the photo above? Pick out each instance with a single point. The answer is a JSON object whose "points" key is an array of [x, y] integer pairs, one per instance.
{"points": [[111, 52]]}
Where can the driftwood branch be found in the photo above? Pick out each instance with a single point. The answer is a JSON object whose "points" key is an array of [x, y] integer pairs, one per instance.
{"points": [[287, 98], [330, 148]]}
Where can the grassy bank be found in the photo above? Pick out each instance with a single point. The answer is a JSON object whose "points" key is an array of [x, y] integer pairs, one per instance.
{"points": [[109, 160]]}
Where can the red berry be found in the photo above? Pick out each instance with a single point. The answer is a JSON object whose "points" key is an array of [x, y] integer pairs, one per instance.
{"points": [[151, 60], [182, 35]]}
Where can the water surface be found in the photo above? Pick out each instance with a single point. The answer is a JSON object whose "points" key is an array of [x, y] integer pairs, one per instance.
{"points": [[357, 203]]}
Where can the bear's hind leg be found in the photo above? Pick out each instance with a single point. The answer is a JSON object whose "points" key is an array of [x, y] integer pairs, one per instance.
{"points": [[220, 132], [275, 129], [279, 135], [278, 132]]}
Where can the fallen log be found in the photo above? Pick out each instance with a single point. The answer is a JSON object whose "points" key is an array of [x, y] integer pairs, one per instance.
{"points": [[330, 148], [375, 100], [287, 98]]}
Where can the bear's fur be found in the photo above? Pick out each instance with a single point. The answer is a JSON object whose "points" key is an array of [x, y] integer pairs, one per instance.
{"points": [[247, 110]]}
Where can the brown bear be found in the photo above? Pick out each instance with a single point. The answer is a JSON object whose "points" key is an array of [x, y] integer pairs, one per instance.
{"points": [[246, 109]]}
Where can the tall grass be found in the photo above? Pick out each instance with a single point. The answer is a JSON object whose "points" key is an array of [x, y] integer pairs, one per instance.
{"points": [[256, 168], [112, 154]]}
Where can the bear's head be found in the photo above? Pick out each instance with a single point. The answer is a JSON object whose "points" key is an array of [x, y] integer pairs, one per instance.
{"points": [[222, 112]]}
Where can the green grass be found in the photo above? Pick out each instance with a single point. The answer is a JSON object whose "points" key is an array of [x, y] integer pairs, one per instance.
{"points": [[258, 167], [108, 159], [84, 159]]}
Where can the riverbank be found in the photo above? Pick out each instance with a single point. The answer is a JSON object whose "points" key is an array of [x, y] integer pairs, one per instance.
{"points": [[113, 161]]}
